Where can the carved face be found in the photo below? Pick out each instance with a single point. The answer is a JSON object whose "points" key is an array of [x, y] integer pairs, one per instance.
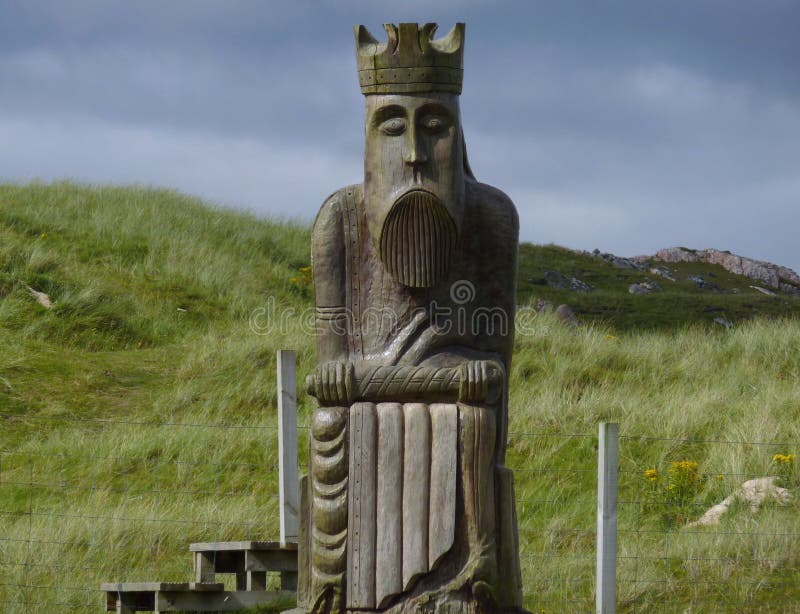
{"points": [[414, 183]]}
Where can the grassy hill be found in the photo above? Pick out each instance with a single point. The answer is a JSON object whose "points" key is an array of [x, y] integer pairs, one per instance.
{"points": [[677, 303], [138, 412]]}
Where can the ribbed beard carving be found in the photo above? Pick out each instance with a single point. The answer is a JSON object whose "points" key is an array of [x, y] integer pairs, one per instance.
{"points": [[418, 240]]}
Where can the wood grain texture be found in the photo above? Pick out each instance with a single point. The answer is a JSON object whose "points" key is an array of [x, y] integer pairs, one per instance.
{"points": [[389, 555], [361, 525], [416, 490], [444, 470]]}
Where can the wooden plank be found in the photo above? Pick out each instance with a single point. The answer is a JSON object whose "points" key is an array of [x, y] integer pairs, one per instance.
{"points": [[444, 467], [241, 545], [389, 549], [204, 567], [416, 490], [149, 587], [304, 553], [274, 560], [288, 484], [361, 521], [225, 601]]}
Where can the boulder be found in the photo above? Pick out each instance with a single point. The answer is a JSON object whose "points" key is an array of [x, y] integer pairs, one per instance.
{"points": [[662, 271], [702, 283], [567, 316], [790, 289], [763, 290], [645, 287], [554, 279], [754, 492], [41, 298]]}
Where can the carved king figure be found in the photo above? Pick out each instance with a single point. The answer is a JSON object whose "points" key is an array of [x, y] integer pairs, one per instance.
{"points": [[407, 506]]}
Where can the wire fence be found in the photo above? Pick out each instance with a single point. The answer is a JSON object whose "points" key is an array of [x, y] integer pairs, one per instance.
{"points": [[121, 501], [116, 500]]}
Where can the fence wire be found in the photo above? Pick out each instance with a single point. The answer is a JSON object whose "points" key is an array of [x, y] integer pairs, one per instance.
{"points": [[117, 502]]}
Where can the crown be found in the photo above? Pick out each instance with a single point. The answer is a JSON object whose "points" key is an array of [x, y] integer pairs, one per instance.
{"points": [[410, 61]]}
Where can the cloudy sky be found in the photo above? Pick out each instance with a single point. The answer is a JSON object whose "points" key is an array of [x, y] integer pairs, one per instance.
{"points": [[625, 126]]}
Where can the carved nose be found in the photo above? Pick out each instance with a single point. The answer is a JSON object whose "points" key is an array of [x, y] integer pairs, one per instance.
{"points": [[415, 156]]}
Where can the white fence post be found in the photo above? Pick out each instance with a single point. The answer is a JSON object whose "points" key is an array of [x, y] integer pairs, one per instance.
{"points": [[607, 474], [289, 496]]}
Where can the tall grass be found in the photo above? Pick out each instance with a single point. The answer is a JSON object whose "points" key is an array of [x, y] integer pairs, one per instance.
{"points": [[138, 415]]}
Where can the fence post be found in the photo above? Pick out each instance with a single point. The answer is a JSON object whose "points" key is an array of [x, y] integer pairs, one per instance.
{"points": [[607, 473], [289, 496]]}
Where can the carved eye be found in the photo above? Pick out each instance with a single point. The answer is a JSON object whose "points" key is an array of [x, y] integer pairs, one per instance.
{"points": [[393, 126], [434, 123]]}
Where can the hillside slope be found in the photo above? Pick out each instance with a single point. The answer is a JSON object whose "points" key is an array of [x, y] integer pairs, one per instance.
{"points": [[685, 292], [138, 413]]}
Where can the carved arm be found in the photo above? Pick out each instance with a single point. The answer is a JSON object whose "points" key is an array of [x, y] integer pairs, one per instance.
{"points": [[343, 383]]}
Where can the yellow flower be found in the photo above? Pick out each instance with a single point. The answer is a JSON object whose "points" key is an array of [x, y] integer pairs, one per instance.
{"points": [[784, 459], [43, 235], [651, 474], [293, 280]]}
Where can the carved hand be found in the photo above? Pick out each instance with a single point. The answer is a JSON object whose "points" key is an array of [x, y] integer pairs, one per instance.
{"points": [[333, 383]]}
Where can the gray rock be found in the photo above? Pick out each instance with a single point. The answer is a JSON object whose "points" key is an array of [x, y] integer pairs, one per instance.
{"points": [[763, 290], [790, 289], [702, 283], [543, 306], [676, 254], [554, 279], [567, 316], [662, 271], [576, 285], [638, 289], [619, 262], [723, 322]]}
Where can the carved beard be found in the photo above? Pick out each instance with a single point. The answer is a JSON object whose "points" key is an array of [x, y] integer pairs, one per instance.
{"points": [[418, 240]]}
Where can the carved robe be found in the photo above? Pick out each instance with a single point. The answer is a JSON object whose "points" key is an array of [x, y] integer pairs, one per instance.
{"points": [[411, 499]]}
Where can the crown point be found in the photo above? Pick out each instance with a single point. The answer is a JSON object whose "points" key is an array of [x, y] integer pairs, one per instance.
{"points": [[452, 41], [392, 34]]}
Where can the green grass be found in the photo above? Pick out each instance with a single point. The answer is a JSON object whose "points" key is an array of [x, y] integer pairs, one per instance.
{"points": [[138, 415]]}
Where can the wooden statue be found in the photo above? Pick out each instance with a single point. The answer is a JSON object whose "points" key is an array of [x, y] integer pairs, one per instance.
{"points": [[407, 506]]}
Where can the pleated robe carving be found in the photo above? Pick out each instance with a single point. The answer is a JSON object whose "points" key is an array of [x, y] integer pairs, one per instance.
{"points": [[406, 494]]}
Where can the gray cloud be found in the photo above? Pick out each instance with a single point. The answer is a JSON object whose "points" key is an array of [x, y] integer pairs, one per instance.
{"points": [[626, 126]]}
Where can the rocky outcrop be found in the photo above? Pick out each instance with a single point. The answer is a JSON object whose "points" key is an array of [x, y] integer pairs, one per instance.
{"points": [[618, 261], [772, 275]]}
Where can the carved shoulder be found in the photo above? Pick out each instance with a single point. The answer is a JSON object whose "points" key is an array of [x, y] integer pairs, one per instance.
{"points": [[328, 221], [494, 210]]}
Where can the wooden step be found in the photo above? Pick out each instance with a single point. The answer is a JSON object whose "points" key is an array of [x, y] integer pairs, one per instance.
{"points": [[130, 597], [249, 560]]}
